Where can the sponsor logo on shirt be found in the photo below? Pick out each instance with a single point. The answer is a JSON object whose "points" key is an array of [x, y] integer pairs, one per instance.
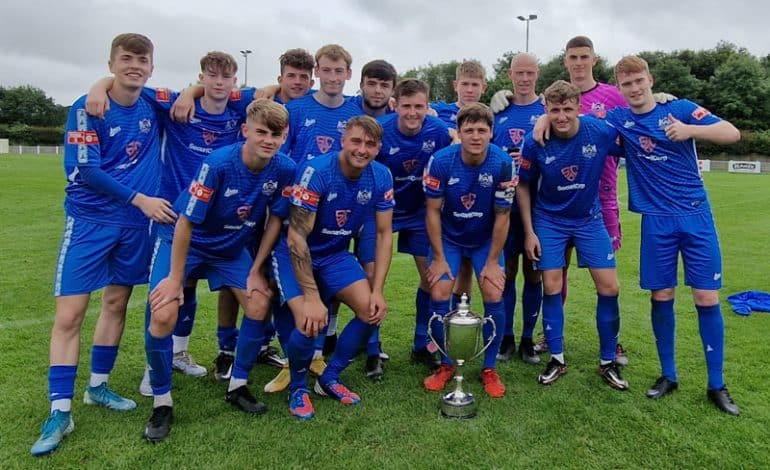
{"points": [[324, 143], [162, 95], [287, 191], [647, 143], [269, 187], [114, 131], [526, 164], [629, 124], [428, 146], [198, 148], [589, 151], [388, 196], [145, 125], [452, 181], [410, 165], [236, 94], [341, 216], [598, 110], [82, 138], [331, 197], [700, 112], [194, 120], [231, 192], [209, 137], [502, 119], [485, 180], [570, 172], [394, 150], [549, 160], [468, 200], [132, 149], [309, 122], [201, 192], [364, 196], [308, 197], [516, 135], [431, 182]]}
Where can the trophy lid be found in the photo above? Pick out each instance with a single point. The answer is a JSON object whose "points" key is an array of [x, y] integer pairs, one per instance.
{"points": [[463, 315]]}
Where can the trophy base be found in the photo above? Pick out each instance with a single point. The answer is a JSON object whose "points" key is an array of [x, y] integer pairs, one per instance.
{"points": [[459, 406]]}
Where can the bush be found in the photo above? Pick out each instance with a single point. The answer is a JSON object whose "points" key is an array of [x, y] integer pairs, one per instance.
{"points": [[22, 134], [751, 144]]}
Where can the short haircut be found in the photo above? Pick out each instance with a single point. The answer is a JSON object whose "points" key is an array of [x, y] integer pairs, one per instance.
{"points": [[219, 62], [410, 87], [298, 59], [561, 92], [334, 52], [368, 124], [475, 112], [471, 69], [631, 64], [269, 113], [580, 41], [132, 42], [380, 70]]}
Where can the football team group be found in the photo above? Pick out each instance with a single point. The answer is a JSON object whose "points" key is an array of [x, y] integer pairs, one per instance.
{"points": [[261, 192]]}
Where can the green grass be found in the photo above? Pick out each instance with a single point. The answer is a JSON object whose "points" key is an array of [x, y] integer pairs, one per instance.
{"points": [[578, 422]]}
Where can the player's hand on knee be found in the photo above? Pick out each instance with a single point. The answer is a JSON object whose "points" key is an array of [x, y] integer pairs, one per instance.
{"points": [[167, 291], [492, 273], [314, 317], [378, 308], [436, 270], [156, 208], [257, 284], [500, 100]]}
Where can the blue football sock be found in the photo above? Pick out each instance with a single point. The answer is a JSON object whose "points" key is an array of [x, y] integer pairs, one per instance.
{"points": [[159, 357], [300, 352], [509, 303], [320, 340], [269, 333], [712, 334], [437, 328], [350, 341], [422, 310], [608, 325], [373, 346], [186, 318], [664, 328], [248, 346], [228, 337], [553, 323], [283, 320], [61, 382], [495, 311], [103, 358], [531, 300]]}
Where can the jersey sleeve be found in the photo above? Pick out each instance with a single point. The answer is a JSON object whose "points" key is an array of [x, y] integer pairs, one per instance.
{"points": [[443, 139], [161, 98], [308, 189], [195, 202], [434, 178], [691, 113], [385, 200], [240, 99], [507, 181], [527, 167], [82, 146]]}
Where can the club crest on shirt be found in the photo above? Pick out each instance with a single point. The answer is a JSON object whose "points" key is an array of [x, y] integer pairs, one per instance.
{"points": [[570, 172], [410, 165], [647, 143], [533, 118], [269, 187], [231, 124], [341, 216], [364, 196], [589, 151], [145, 125], [516, 135], [243, 212], [468, 200], [486, 180], [324, 143], [428, 146], [209, 137], [341, 126], [598, 110], [664, 122]]}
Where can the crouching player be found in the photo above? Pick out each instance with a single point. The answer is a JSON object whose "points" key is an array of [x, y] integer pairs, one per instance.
{"points": [[567, 210], [233, 190], [334, 194], [469, 189]]}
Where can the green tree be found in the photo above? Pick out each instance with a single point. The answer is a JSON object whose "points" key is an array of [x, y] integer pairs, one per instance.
{"points": [[439, 77], [740, 91], [29, 105], [673, 76]]}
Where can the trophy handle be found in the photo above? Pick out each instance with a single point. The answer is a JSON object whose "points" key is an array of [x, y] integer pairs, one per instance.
{"points": [[491, 338], [430, 332]]}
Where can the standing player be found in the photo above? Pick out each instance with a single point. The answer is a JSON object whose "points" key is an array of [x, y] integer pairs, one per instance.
{"points": [[409, 139], [378, 78], [226, 202], [665, 186], [333, 195], [469, 189], [567, 211], [510, 127], [469, 84], [111, 165]]}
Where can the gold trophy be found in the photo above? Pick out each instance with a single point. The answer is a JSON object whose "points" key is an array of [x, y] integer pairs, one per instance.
{"points": [[463, 341]]}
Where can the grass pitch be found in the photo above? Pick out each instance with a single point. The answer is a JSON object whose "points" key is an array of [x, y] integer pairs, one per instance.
{"points": [[578, 422]]}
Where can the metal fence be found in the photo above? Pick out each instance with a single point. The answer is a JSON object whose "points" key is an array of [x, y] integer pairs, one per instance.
{"points": [[35, 149]]}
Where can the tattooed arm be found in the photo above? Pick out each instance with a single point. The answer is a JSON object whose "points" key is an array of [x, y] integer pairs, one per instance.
{"points": [[311, 317]]}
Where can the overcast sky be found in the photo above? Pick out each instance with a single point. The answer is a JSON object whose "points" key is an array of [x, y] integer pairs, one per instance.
{"points": [[62, 46]]}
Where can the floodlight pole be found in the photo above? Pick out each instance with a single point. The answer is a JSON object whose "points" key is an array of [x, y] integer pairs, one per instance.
{"points": [[245, 53], [527, 19]]}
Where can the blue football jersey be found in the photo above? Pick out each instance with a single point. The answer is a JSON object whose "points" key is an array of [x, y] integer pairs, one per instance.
{"points": [[227, 202], [315, 129], [470, 194], [186, 145], [406, 157], [513, 123], [447, 112], [125, 145], [341, 205], [569, 171], [663, 176], [358, 100]]}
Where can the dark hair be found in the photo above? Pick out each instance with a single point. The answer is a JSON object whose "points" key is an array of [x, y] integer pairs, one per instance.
{"points": [[380, 70], [368, 124], [580, 41], [297, 58], [132, 42], [410, 87], [561, 92], [219, 61], [475, 112]]}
